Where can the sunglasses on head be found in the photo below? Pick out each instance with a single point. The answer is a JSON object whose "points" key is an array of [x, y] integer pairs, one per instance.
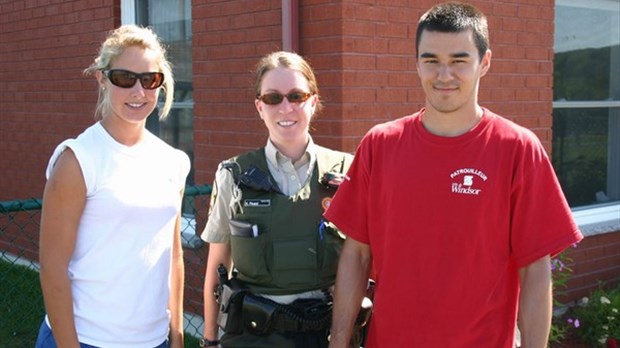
{"points": [[127, 79], [277, 98]]}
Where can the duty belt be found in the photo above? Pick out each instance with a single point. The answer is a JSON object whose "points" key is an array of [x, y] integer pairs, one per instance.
{"points": [[283, 322], [262, 316]]}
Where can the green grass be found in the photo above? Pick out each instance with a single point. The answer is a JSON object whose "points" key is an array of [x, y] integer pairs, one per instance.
{"points": [[190, 341], [22, 305], [22, 309]]}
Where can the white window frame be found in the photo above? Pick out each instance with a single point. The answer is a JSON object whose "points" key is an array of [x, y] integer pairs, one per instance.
{"points": [[598, 219], [128, 12]]}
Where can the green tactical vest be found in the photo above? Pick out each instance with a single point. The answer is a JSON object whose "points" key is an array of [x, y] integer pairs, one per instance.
{"points": [[292, 252]]}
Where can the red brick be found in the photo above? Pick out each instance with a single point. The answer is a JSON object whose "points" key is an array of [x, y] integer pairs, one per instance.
{"points": [[359, 61], [404, 79], [391, 95], [371, 13], [391, 30], [400, 15], [325, 12]]}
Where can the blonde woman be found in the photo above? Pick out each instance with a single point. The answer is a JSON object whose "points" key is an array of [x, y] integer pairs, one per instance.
{"points": [[110, 250]]}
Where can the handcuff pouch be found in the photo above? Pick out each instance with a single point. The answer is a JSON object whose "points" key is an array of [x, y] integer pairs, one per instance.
{"points": [[258, 315]]}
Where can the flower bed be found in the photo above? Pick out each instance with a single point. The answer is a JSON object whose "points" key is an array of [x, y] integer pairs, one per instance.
{"points": [[595, 320]]}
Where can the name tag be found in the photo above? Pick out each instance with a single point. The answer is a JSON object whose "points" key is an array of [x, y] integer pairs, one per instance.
{"points": [[257, 203]]}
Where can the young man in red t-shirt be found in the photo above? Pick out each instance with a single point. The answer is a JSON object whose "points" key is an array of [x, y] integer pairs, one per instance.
{"points": [[457, 209]]}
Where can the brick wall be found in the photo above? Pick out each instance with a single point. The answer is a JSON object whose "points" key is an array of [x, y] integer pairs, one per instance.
{"points": [[44, 98], [595, 259], [520, 83], [364, 55], [365, 62], [228, 39]]}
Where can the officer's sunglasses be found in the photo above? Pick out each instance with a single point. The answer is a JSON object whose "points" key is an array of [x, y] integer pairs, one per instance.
{"points": [[277, 98], [127, 79]]}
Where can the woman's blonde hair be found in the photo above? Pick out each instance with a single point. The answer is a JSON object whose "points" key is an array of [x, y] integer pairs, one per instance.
{"points": [[115, 44], [291, 61]]}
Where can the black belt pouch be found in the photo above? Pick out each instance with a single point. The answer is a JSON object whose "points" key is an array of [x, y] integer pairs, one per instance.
{"points": [[258, 315]]}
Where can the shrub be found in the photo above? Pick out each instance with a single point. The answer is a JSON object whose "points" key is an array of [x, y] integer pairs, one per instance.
{"points": [[599, 317]]}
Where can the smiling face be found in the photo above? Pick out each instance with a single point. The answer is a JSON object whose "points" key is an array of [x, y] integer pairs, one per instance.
{"points": [[130, 105], [450, 68], [288, 123]]}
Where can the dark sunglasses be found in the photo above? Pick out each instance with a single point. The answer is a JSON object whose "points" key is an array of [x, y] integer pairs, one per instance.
{"points": [[127, 79], [277, 98]]}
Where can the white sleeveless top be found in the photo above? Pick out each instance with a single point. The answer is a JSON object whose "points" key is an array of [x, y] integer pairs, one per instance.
{"points": [[120, 268]]}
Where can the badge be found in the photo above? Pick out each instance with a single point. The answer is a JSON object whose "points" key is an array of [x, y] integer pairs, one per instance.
{"points": [[326, 202]]}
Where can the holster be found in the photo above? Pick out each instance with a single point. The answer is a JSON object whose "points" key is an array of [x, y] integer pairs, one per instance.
{"points": [[230, 302], [258, 315]]}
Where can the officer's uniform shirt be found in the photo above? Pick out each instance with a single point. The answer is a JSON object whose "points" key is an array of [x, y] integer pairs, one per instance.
{"points": [[290, 178]]}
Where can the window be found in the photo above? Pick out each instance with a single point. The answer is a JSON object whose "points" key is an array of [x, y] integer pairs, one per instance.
{"points": [[171, 20], [586, 107]]}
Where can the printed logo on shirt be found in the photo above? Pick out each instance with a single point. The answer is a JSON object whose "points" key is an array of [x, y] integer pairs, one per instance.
{"points": [[466, 181]]}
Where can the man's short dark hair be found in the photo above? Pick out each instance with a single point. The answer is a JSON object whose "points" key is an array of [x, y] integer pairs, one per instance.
{"points": [[455, 17]]}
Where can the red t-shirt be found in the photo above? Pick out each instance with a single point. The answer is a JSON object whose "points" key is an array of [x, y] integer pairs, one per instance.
{"points": [[450, 221]]}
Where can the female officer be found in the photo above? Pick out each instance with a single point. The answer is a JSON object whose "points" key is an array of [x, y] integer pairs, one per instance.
{"points": [[266, 220]]}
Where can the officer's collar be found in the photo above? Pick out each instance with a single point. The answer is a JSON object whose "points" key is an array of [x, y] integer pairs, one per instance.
{"points": [[273, 154]]}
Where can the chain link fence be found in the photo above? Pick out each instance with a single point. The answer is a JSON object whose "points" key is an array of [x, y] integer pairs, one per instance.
{"points": [[21, 301]]}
